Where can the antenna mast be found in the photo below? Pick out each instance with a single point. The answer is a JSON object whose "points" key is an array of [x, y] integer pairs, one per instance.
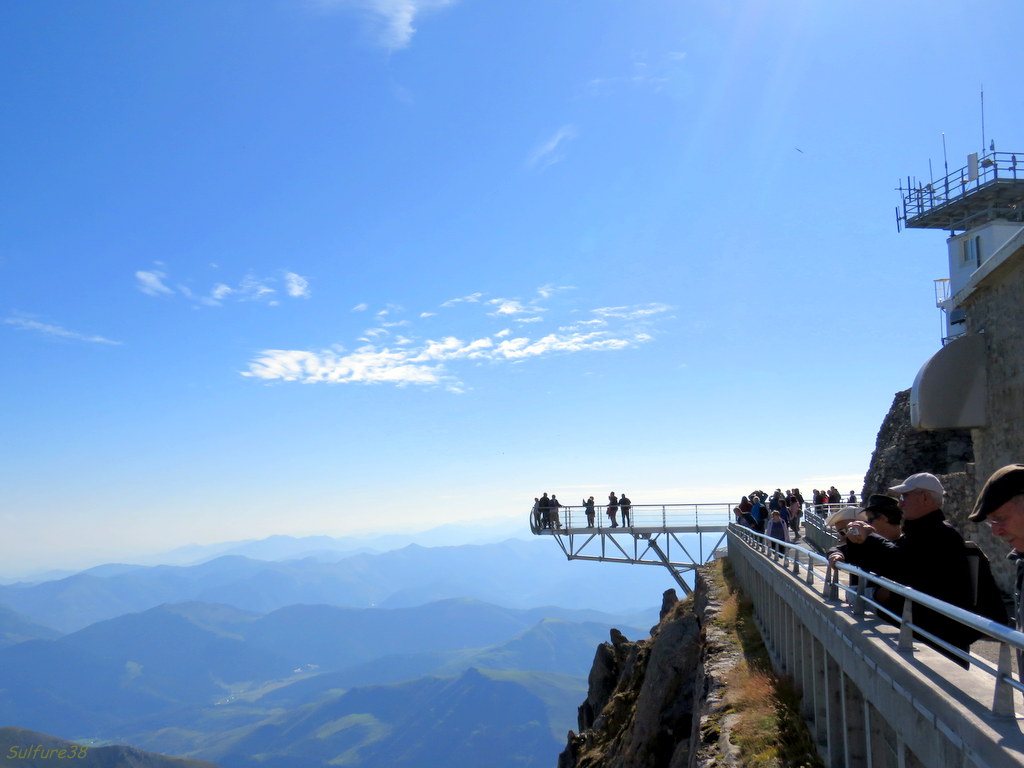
{"points": [[983, 145]]}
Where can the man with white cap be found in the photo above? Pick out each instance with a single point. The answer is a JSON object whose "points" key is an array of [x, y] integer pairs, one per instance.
{"points": [[928, 557], [1001, 505]]}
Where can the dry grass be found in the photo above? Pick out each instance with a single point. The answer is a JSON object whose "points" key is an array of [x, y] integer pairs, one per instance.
{"points": [[769, 731]]}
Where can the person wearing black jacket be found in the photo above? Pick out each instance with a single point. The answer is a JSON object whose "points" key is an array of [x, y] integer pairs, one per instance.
{"points": [[928, 557], [624, 506]]}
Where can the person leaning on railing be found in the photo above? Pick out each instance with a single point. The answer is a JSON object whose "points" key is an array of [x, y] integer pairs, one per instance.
{"points": [[928, 557], [1001, 505]]}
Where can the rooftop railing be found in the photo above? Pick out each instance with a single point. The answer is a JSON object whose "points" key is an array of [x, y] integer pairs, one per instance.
{"points": [[921, 197]]}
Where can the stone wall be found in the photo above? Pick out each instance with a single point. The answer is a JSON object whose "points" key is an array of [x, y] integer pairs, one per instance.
{"points": [[996, 310]]}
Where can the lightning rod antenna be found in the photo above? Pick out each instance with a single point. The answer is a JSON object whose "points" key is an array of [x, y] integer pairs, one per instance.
{"points": [[983, 145]]}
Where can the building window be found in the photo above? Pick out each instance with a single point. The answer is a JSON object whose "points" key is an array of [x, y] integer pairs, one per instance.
{"points": [[970, 253]]}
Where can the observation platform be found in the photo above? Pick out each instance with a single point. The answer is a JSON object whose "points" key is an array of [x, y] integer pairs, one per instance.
{"points": [[990, 187], [679, 537]]}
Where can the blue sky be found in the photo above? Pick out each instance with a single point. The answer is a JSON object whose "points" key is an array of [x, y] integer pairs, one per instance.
{"points": [[330, 266]]}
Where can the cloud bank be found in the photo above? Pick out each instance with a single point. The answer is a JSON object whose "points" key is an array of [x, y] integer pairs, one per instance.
{"points": [[407, 360]]}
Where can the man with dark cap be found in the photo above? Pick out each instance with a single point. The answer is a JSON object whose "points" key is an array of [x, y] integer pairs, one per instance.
{"points": [[1001, 505]]}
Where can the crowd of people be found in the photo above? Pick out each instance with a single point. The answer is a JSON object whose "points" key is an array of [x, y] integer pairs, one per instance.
{"points": [[904, 536], [546, 514], [775, 515]]}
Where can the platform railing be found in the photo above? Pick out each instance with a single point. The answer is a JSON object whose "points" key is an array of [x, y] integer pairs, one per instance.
{"points": [[641, 516]]}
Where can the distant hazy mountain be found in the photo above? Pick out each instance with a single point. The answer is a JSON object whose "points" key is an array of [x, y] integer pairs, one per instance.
{"points": [[15, 628], [282, 547], [511, 573], [20, 748]]}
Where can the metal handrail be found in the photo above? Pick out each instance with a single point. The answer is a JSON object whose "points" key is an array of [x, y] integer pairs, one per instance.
{"points": [[793, 557]]}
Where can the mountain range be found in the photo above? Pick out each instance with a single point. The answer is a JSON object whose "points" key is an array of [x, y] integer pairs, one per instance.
{"points": [[415, 656], [212, 681], [512, 573]]}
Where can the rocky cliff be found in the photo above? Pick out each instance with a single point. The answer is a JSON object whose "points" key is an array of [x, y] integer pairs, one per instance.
{"points": [[658, 702]]}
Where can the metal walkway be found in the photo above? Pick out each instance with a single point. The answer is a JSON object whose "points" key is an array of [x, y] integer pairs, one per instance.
{"points": [[654, 535]]}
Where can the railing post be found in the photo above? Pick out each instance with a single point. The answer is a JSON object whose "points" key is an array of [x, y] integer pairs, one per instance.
{"points": [[906, 642], [1002, 696], [858, 600]]}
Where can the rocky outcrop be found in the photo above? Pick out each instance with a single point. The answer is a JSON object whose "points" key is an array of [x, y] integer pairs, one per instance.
{"points": [[901, 450], [650, 700]]}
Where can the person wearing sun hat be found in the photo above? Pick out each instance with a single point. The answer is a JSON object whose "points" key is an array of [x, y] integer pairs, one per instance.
{"points": [[840, 520], [1001, 505], [842, 517], [928, 557]]}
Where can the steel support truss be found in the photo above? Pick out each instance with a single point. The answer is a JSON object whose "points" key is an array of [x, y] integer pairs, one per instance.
{"points": [[642, 546]]}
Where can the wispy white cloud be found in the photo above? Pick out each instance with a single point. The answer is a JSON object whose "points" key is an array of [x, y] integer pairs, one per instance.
{"points": [[298, 286], [510, 307], [152, 283], [635, 312], [394, 19], [250, 288], [57, 331], [220, 291], [471, 299], [361, 307], [549, 290], [553, 150], [596, 322], [655, 75]]}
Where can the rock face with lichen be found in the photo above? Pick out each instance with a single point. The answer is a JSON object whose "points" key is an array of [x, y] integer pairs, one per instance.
{"points": [[651, 702]]}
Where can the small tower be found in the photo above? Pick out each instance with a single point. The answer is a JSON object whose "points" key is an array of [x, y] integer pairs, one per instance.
{"points": [[965, 384], [982, 207]]}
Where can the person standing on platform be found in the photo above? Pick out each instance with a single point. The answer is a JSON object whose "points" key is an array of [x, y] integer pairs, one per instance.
{"points": [[795, 506], [556, 520], [545, 510], [613, 508], [624, 506], [588, 507], [776, 529]]}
